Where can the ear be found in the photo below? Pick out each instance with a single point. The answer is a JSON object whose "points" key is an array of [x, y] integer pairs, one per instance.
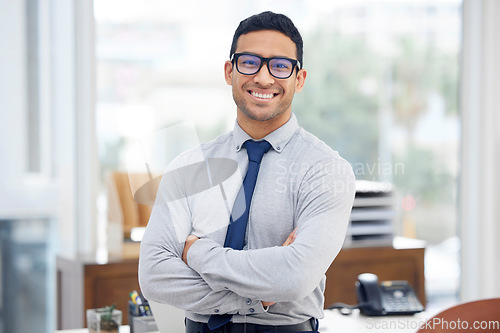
{"points": [[300, 80], [228, 72]]}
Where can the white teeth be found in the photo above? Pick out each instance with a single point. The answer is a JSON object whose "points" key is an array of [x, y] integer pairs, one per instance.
{"points": [[264, 96]]}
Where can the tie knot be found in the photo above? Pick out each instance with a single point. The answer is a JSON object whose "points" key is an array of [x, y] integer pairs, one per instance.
{"points": [[256, 149]]}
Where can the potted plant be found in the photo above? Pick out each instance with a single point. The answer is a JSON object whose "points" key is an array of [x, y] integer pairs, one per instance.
{"points": [[104, 320]]}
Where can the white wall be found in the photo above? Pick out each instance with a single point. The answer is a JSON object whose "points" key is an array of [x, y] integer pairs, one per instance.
{"points": [[480, 181]]}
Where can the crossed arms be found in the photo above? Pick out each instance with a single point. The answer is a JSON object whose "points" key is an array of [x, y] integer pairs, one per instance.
{"points": [[192, 238], [201, 276]]}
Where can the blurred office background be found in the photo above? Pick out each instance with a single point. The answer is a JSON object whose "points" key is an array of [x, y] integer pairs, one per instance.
{"points": [[404, 89]]}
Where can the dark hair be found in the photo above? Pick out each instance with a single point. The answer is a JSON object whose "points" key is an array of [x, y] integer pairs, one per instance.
{"points": [[269, 21]]}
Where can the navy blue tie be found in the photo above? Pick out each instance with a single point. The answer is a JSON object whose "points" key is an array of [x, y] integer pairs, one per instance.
{"points": [[235, 236]]}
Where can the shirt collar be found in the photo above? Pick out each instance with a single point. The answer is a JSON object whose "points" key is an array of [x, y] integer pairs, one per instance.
{"points": [[278, 139]]}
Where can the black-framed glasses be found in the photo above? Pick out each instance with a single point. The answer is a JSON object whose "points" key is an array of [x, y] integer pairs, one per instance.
{"points": [[250, 64]]}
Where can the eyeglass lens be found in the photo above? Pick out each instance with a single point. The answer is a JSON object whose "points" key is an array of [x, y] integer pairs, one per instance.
{"points": [[250, 64]]}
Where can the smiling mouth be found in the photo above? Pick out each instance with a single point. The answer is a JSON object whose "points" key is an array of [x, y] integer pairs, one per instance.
{"points": [[262, 96]]}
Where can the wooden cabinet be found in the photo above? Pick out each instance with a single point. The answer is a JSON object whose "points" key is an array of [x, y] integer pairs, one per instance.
{"points": [[82, 284], [388, 263]]}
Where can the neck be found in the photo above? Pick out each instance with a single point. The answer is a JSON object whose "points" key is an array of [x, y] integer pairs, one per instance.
{"points": [[258, 129]]}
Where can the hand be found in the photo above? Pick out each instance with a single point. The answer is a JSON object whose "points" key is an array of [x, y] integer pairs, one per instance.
{"points": [[266, 304], [289, 241], [189, 242]]}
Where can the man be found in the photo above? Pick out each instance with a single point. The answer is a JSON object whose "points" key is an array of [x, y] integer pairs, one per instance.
{"points": [[294, 221]]}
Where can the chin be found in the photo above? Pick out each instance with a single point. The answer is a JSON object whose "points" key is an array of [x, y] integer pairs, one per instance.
{"points": [[261, 116], [261, 113]]}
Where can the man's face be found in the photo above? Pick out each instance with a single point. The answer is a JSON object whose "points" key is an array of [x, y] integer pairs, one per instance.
{"points": [[262, 97]]}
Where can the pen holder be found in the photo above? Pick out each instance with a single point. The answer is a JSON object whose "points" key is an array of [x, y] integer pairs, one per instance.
{"points": [[136, 311], [144, 324]]}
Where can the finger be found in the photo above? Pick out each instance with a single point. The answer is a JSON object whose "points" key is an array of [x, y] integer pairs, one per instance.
{"points": [[191, 237], [187, 245], [291, 238], [294, 235]]}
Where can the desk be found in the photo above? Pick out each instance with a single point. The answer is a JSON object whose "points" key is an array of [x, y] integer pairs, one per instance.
{"points": [[402, 261], [85, 284], [334, 322]]}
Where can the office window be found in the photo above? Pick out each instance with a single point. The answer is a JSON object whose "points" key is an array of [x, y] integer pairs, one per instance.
{"points": [[27, 292], [381, 89]]}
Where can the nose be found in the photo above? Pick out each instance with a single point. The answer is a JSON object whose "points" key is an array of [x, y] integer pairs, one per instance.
{"points": [[263, 76]]}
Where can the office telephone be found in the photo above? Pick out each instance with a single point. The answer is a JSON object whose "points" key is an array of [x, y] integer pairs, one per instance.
{"points": [[388, 298]]}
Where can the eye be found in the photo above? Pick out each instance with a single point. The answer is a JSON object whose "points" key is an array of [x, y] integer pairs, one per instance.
{"points": [[249, 61], [281, 64]]}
